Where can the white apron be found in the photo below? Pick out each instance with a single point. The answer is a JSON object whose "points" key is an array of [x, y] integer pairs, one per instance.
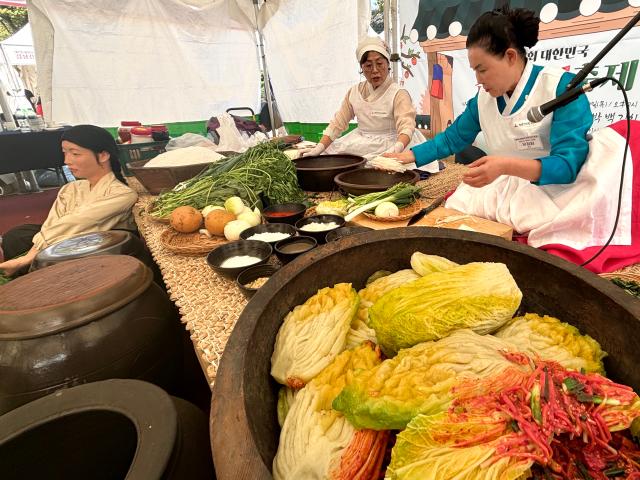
{"points": [[376, 132], [578, 215]]}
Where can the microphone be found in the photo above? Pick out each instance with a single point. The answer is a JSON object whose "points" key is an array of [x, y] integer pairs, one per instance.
{"points": [[536, 114]]}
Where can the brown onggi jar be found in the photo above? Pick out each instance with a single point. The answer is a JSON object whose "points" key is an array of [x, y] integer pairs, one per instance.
{"points": [[84, 320]]}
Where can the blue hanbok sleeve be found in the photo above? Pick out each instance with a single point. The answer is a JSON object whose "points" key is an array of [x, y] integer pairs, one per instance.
{"points": [[569, 146], [461, 133]]}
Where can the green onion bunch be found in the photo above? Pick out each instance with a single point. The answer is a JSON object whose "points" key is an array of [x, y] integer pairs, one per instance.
{"points": [[263, 170]]}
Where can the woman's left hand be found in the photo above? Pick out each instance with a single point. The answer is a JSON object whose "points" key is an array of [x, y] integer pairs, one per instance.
{"points": [[404, 157], [485, 170]]}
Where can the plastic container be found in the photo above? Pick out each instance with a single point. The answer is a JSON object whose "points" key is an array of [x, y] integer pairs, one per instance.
{"points": [[36, 123], [159, 132], [141, 135], [124, 130]]}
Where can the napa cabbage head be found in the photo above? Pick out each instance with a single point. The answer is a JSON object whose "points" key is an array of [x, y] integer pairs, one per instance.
{"points": [[423, 263], [478, 296], [419, 380], [314, 437], [360, 330], [313, 334], [427, 450], [549, 338]]}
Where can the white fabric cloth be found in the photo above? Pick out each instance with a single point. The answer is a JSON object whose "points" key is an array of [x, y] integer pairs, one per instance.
{"points": [[376, 132], [149, 60], [184, 156], [577, 215], [309, 48]]}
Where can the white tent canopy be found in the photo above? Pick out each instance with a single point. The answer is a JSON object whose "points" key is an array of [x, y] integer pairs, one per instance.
{"points": [[104, 61], [18, 48]]}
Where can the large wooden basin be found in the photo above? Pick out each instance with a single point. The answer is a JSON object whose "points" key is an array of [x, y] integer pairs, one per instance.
{"points": [[244, 427]]}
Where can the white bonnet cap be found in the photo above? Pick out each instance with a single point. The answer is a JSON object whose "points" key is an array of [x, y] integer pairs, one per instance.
{"points": [[372, 44]]}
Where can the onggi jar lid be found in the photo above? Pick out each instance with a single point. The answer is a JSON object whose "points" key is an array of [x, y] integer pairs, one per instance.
{"points": [[158, 128], [130, 123], [112, 242], [69, 294], [140, 131]]}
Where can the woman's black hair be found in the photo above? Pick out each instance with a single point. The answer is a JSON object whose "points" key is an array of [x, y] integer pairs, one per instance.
{"points": [[504, 28], [116, 167], [97, 140], [364, 58]]}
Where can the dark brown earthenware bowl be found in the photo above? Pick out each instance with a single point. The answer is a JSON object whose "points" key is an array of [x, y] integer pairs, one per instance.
{"points": [[315, 174], [243, 414], [367, 180]]}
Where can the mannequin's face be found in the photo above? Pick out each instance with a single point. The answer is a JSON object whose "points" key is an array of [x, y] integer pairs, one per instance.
{"points": [[84, 163], [375, 69], [496, 74]]}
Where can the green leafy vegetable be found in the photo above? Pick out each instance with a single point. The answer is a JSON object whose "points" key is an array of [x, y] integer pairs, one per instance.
{"points": [[401, 194], [631, 287], [479, 296], [261, 170]]}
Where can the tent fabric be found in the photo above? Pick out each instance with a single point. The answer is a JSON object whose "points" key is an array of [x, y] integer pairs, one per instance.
{"points": [[155, 60], [310, 51], [18, 48]]}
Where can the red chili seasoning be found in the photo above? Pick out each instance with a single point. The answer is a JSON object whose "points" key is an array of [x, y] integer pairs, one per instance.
{"points": [[279, 214]]}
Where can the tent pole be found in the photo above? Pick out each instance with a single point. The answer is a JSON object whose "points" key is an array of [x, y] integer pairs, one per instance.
{"points": [[267, 82], [386, 7], [393, 13]]}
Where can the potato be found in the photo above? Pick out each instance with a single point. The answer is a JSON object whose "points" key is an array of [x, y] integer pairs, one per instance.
{"points": [[216, 221], [185, 219]]}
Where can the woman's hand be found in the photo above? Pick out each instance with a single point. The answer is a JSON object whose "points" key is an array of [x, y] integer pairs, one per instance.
{"points": [[10, 267], [404, 157], [485, 170]]}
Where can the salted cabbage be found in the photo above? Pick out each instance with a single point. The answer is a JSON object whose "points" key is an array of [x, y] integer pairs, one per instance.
{"points": [[360, 331], [479, 296], [423, 264], [318, 442], [427, 450], [549, 338], [313, 334], [419, 379]]}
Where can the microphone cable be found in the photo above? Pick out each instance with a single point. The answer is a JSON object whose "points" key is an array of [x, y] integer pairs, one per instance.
{"points": [[624, 162]]}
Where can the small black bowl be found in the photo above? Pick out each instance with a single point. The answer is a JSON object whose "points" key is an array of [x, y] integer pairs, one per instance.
{"points": [[284, 213], [269, 228], [320, 236], [253, 273], [251, 248], [341, 232], [290, 248]]}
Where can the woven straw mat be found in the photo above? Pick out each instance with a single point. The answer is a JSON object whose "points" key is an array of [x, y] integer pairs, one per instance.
{"points": [[209, 304]]}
